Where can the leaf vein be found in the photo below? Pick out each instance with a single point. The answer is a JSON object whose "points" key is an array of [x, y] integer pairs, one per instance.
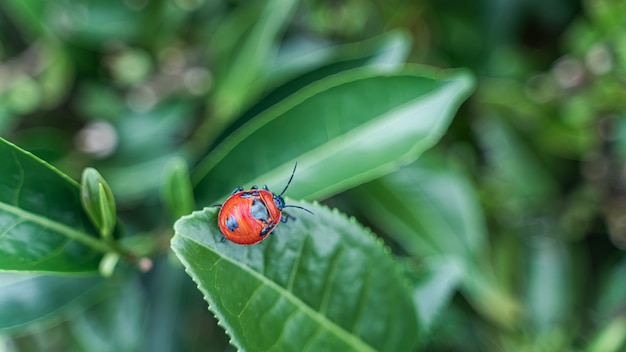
{"points": [[329, 325], [20, 184], [332, 269], [296, 265]]}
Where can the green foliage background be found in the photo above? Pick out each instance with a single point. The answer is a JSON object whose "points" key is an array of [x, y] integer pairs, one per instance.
{"points": [[482, 142]]}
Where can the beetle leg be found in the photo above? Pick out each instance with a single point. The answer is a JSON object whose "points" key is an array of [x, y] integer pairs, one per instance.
{"points": [[223, 239], [284, 217], [238, 189], [217, 205], [266, 229], [254, 187], [265, 188], [250, 194]]}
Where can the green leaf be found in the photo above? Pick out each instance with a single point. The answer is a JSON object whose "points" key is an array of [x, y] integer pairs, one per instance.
{"points": [[387, 51], [42, 223], [321, 283], [434, 212], [435, 290], [98, 201], [549, 297], [30, 298], [317, 61], [343, 131], [242, 65], [428, 210], [28, 14], [518, 175], [612, 336], [121, 315], [177, 191]]}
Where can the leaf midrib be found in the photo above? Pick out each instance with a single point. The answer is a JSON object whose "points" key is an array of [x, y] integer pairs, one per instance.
{"points": [[57, 227], [300, 96], [330, 326]]}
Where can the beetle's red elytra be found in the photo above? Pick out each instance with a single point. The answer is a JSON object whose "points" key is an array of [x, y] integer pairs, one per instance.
{"points": [[248, 216]]}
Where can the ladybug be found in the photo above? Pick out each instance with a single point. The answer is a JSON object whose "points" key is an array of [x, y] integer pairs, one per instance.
{"points": [[248, 216]]}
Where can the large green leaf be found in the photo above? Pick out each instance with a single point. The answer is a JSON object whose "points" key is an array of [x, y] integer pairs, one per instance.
{"points": [[30, 298], [321, 283], [343, 130], [42, 225], [301, 67]]}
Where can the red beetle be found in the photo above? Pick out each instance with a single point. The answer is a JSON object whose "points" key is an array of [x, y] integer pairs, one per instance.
{"points": [[247, 217]]}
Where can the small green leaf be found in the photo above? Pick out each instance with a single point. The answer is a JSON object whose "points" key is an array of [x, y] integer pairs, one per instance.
{"points": [[41, 219], [343, 130], [108, 264], [177, 192], [320, 283], [98, 201]]}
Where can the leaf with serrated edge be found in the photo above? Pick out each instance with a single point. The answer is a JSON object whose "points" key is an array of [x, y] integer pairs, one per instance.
{"points": [[321, 283]]}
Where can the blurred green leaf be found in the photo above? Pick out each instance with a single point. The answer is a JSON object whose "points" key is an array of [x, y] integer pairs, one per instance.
{"points": [[429, 210], [120, 315], [241, 66], [56, 78], [320, 283], [318, 60], [611, 300], [44, 226], [177, 192], [433, 212], [147, 141], [329, 126], [519, 176], [434, 291], [32, 298], [548, 297], [29, 14], [611, 337], [301, 67]]}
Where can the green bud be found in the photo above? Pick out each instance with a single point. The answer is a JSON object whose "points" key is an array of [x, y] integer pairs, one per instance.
{"points": [[108, 264], [98, 202]]}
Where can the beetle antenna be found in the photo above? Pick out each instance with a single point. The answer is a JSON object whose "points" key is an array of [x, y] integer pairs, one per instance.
{"points": [[290, 178], [295, 206]]}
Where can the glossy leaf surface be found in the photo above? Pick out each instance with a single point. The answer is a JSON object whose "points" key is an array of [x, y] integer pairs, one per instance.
{"points": [[43, 227], [321, 283], [329, 126]]}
